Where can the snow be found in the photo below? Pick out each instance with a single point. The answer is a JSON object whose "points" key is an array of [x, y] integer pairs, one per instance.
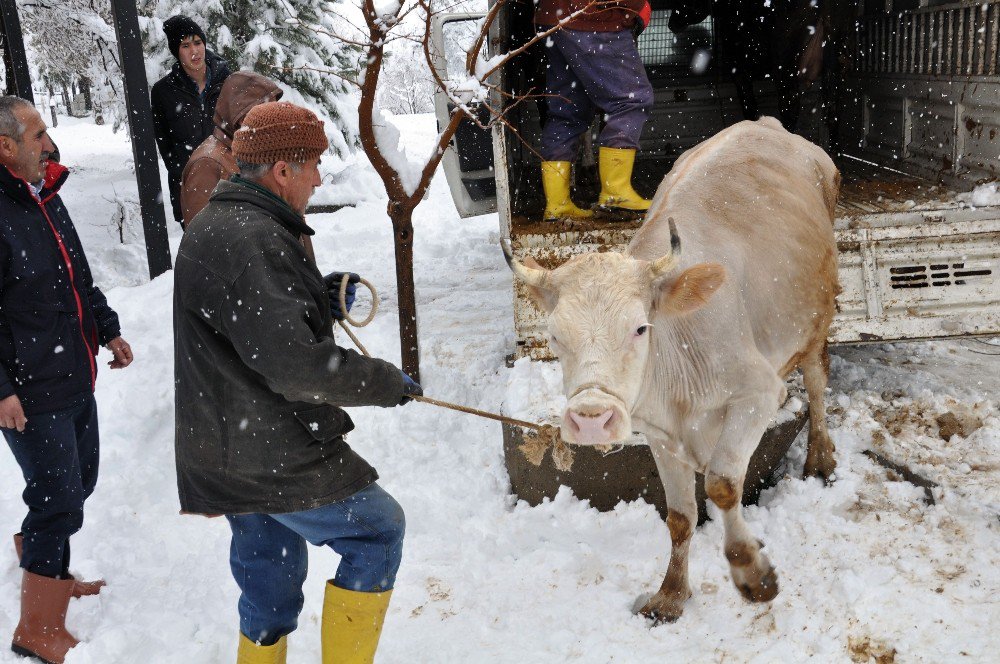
{"points": [[866, 568], [387, 138], [983, 195]]}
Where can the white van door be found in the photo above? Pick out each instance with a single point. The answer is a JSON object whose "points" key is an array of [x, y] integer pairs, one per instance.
{"points": [[468, 161]]}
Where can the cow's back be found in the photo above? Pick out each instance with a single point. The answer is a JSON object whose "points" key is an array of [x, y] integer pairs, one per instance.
{"points": [[760, 201]]}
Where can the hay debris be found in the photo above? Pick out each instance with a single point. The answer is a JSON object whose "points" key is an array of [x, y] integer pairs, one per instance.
{"points": [[957, 421], [536, 443]]}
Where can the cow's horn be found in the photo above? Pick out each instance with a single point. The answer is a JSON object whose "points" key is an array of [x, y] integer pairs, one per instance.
{"points": [[530, 275], [663, 264]]}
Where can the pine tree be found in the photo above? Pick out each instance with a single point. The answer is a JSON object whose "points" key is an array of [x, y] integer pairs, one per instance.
{"points": [[271, 38]]}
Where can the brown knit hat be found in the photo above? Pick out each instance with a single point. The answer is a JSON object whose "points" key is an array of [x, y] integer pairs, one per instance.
{"points": [[279, 131]]}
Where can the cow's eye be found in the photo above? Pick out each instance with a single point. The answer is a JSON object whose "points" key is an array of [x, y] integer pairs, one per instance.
{"points": [[641, 331]]}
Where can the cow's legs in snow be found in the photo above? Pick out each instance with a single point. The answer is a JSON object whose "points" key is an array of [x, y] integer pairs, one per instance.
{"points": [[745, 423], [682, 515], [815, 372]]}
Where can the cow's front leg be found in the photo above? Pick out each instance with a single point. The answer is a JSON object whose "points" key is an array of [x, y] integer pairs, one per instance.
{"points": [[682, 515], [745, 423]]}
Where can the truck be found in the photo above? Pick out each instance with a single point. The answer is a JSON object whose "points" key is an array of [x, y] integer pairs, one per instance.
{"points": [[908, 106]]}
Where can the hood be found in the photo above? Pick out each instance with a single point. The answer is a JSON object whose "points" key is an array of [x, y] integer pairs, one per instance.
{"points": [[242, 91]]}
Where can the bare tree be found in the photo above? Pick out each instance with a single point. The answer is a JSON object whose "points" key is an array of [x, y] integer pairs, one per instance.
{"points": [[74, 41], [407, 83], [405, 182]]}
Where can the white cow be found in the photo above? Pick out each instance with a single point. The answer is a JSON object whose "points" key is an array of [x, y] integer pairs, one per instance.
{"points": [[693, 348]]}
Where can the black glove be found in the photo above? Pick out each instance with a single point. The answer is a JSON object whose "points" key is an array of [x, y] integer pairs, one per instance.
{"points": [[333, 281], [411, 388]]}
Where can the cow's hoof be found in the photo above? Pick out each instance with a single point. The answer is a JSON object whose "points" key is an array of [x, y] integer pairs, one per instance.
{"points": [[662, 608], [757, 583], [821, 468], [820, 461]]}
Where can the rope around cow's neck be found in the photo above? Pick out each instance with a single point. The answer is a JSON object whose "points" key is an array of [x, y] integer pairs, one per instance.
{"points": [[542, 429]]}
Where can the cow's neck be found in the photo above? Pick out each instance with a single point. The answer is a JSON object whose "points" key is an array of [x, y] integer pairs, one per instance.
{"points": [[681, 367]]}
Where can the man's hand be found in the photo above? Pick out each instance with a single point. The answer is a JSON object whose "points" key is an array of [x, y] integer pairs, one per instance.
{"points": [[11, 413], [411, 388], [122, 352], [333, 282]]}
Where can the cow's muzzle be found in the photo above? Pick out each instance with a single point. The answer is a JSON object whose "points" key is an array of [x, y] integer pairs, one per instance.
{"points": [[594, 416]]}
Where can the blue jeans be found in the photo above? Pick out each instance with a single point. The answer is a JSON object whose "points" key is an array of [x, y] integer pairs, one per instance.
{"points": [[588, 71], [58, 455], [269, 560]]}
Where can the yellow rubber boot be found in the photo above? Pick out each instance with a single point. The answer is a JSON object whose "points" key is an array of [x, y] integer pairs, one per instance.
{"points": [[555, 183], [352, 625], [251, 653], [615, 166]]}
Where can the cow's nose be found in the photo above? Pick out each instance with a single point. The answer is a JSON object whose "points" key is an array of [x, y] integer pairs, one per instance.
{"points": [[591, 429]]}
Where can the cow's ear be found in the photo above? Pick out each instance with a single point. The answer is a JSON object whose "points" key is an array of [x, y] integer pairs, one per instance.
{"points": [[544, 298], [691, 289]]}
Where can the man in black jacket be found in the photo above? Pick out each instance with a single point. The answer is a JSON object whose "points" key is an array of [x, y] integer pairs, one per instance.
{"points": [[260, 386], [52, 318], [183, 101]]}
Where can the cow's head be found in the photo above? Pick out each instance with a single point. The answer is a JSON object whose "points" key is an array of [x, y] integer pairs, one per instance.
{"points": [[600, 308]]}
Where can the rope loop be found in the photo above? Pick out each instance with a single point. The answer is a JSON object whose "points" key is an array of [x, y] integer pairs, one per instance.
{"points": [[343, 302]]}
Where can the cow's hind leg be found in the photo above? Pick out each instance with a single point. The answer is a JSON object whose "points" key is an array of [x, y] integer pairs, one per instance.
{"points": [[815, 371], [745, 423], [682, 515]]}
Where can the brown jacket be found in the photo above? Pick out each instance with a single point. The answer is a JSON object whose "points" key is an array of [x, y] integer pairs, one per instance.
{"points": [[213, 159], [599, 15]]}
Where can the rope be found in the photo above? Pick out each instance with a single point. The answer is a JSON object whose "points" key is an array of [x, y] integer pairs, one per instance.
{"points": [[434, 402], [344, 283], [536, 443]]}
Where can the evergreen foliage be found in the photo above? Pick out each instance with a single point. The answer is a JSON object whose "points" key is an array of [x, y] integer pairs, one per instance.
{"points": [[271, 38]]}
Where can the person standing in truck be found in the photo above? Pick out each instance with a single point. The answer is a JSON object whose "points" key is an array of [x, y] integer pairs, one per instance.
{"points": [[593, 65], [183, 101]]}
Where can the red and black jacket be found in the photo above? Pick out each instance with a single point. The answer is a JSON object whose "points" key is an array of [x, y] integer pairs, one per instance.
{"points": [[52, 316]]}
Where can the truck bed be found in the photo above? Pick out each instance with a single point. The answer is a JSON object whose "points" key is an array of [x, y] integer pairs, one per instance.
{"points": [[914, 261], [867, 188]]}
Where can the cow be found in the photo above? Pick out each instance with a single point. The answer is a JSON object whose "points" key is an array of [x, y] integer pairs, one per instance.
{"points": [[692, 347]]}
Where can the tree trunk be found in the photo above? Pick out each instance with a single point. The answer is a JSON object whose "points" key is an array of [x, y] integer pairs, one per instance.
{"points": [[88, 104], [402, 225]]}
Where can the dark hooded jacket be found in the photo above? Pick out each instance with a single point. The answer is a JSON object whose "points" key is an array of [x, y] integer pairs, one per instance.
{"points": [[52, 316], [182, 118], [260, 381], [213, 160]]}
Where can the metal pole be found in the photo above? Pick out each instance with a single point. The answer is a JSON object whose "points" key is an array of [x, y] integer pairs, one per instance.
{"points": [[140, 121], [18, 78]]}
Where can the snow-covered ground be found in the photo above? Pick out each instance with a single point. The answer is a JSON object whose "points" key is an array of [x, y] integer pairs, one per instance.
{"points": [[868, 571]]}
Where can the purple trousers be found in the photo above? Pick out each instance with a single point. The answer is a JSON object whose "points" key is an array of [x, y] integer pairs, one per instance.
{"points": [[587, 72]]}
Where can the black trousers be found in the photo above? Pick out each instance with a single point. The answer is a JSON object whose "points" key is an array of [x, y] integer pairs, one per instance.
{"points": [[58, 455]]}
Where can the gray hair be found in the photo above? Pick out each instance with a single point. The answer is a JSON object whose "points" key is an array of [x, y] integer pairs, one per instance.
{"points": [[9, 124], [255, 172]]}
